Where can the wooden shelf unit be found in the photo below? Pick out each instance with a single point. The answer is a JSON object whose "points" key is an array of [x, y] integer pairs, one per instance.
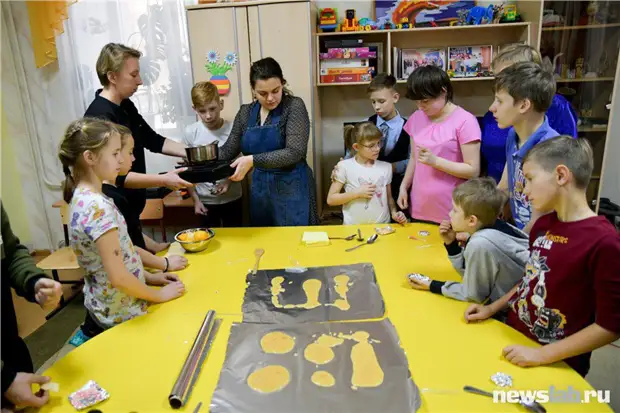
{"points": [[583, 27], [585, 80]]}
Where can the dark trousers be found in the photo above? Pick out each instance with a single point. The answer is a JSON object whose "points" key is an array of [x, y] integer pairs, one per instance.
{"points": [[90, 328], [228, 215]]}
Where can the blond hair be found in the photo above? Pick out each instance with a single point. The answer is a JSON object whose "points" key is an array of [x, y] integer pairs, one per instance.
{"points": [[112, 58], [125, 133], [575, 154], [87, 134], [516, 53], [204, 93], [360, 133], [481, 198]]}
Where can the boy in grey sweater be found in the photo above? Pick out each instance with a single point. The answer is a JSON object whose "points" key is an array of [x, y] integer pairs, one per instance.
{"points": [[493, 260]]}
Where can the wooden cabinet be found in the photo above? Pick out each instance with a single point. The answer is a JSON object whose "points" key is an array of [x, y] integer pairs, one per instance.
{"points": [[255, 30]]}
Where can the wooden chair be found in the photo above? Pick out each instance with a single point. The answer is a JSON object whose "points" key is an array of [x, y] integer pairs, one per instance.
{"points": [[61, 259], [154, 211]]}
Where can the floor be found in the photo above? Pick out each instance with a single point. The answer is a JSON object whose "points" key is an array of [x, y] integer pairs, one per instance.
{"points": [[49, 343]]}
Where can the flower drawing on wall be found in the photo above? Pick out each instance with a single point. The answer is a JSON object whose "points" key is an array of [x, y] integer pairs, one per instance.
{"points": [[218, 70]]}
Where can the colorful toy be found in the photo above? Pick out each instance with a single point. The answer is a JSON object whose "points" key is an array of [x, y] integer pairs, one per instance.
{"points": [[404, 23], [420, 13], [480, 15], [350, 23], [366, 24], [510, 13], [387, 26], [328, 19]]}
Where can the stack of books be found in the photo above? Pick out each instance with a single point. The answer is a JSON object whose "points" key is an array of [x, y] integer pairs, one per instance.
{"points": [[350, 62]]}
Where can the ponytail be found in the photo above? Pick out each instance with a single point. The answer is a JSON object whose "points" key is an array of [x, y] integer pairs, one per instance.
{"points": [[68, 186], [349, 137], [82, 135]]}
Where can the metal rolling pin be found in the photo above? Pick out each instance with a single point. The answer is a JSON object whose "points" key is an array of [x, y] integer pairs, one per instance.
{"points": [[183, 386]]}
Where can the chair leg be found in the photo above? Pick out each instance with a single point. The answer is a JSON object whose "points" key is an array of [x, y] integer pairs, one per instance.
{"points": [[66, 230], [163, 230]]}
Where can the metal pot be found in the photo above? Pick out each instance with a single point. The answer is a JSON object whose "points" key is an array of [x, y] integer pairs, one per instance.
{"points": [[202, 154]]}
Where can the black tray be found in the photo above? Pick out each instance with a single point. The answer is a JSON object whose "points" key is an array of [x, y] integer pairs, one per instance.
{"points": [[210, 172]]}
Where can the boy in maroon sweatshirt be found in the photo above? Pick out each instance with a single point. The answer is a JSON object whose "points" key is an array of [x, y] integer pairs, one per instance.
{"points": [[569, 297]]}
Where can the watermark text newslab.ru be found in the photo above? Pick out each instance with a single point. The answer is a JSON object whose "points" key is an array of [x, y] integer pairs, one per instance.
{"points": [[552, 395]]}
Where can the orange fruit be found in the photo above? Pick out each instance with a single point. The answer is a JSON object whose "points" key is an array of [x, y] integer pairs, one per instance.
{"points": [[201, 235], [183, 237]]}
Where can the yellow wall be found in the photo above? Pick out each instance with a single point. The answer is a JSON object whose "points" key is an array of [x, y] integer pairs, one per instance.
{"points": [[11, 187]]}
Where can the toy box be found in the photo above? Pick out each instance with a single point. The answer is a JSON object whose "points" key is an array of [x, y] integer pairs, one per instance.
{"points": [[470, 61], [414, 58]]}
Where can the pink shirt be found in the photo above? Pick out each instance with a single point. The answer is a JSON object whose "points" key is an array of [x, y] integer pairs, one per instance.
{"points": [[431, 190]]}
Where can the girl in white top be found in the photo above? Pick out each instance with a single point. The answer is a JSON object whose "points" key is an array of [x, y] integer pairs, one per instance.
{"points": [[115, 283], [367, 198]]}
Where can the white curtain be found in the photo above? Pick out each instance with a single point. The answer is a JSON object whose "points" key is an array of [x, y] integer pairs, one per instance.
{"points": [[158, 29], [45, 100]]}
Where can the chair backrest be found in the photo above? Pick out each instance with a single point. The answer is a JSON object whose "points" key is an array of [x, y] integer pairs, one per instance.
{"points": [[64, 213], [153, 210]]}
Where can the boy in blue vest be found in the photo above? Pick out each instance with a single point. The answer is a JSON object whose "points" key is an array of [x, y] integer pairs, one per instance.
{"points": [[523, 93], [395, 144]]}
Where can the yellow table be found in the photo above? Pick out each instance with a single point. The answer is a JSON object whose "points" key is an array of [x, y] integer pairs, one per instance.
{"points": [[139, 361]]}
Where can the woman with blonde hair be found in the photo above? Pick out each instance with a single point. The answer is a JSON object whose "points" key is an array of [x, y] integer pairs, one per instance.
{"points": [[118, 69]]}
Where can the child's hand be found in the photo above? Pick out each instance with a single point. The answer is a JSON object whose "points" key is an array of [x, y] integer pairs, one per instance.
{"points": [[176, 262], [419, 284], [171, 291], [366, 191], [403, 199], [426, 156], [47, 293], [162, 278], [222, 188], [200, 208], [477, 312], [173, 181], [524, 356], [446, 232], [399, 217], [20, 391]]}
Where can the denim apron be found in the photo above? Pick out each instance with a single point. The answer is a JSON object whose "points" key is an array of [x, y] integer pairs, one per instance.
{"points": [[278, 197]]}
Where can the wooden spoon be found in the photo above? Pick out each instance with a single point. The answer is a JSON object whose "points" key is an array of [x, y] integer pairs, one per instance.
{"points": [[257, 253]]}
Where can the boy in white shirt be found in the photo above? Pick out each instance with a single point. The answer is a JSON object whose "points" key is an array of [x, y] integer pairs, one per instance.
{"points": [[219, 204], [368, 197]]}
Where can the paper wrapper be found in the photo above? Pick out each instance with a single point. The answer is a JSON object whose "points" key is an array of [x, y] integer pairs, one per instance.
{"points": [[396, 394], [87, 396]]}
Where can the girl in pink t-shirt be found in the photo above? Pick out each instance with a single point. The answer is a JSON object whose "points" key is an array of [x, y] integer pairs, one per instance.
{"points": [[445, 142]]}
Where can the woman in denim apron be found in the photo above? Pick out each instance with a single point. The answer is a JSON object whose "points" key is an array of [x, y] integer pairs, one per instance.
{"points": [[272, 133]]}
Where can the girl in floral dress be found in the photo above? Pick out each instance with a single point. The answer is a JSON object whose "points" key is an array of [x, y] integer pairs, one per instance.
{"points": [[115, 282]]}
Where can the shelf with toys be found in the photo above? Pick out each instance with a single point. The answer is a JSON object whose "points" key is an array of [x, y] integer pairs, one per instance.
{"points": [[430, 29]]}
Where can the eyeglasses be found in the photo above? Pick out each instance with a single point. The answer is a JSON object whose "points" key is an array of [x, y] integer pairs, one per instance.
{"points": [[377, 145]]}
